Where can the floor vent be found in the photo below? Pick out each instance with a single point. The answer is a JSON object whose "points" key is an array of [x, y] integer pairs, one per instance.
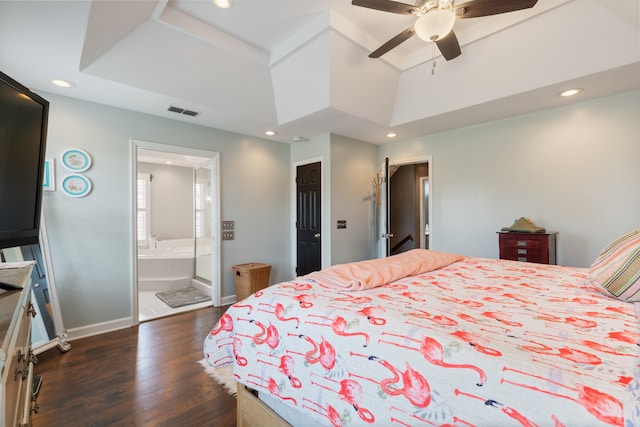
{"points": [[182, 111]]}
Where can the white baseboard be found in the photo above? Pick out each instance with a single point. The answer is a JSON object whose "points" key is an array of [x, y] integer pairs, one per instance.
{"points": [[117, 324], [228, 300], [99, 328]]}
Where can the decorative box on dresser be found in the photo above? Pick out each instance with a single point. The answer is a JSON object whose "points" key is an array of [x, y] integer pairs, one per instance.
{"points": [[17, 386], [528, 247]]}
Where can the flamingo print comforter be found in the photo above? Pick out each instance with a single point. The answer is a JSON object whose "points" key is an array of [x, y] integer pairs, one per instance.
{"points": [[477, 343]]}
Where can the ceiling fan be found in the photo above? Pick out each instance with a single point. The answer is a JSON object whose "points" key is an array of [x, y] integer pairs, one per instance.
{"points": [[436, 19]]}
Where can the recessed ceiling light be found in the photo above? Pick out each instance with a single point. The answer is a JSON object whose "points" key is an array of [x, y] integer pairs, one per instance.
{"points": [[570, 92], [222, 4], [391, 135], [270, 132], [63, 83], [168, 162]]}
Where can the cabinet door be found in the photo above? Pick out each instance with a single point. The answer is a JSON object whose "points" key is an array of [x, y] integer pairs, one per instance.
{"points": [[15, 378]]}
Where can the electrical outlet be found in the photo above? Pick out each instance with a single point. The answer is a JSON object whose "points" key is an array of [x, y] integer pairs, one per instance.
{"points": [[227, 235], [342, 223]]}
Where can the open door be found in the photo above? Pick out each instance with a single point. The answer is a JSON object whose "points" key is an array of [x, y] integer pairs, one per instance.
{"points": [[387, 234], [407, 206]]}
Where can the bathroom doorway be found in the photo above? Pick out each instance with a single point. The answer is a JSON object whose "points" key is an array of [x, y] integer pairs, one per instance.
{"points": [[176, 247]]}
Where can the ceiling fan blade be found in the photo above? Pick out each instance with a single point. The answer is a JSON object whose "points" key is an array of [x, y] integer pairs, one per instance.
{"points": [[449, 46], [387, 6], [406, 34], [478, 8]]}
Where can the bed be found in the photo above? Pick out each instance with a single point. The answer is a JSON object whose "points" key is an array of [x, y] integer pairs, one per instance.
{"points": [[468, 342]]}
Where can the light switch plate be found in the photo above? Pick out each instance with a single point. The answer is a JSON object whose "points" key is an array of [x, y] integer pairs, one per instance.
{"points": [[228, 225], [228, 235]]}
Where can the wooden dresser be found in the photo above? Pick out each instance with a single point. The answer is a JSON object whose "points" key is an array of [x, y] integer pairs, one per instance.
{"points": [[16, 357], [528, 247]]}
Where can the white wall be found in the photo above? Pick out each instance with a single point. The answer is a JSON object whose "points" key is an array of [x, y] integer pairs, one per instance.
{"points": [[573, 170], [90, 237]]}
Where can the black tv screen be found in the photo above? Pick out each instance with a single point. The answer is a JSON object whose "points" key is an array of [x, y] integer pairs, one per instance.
{"points": [[23, 134]]}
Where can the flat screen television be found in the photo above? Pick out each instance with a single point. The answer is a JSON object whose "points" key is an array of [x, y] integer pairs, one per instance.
{"points": [[23, 135]]}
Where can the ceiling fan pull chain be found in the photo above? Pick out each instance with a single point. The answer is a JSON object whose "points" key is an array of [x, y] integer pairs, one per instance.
{"points": [[433, 57]]}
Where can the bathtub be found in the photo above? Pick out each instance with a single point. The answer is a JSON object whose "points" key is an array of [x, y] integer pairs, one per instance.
{"points": [[170, 265]]}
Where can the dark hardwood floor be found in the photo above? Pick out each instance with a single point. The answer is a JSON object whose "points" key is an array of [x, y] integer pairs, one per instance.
{"points": [[143, 376]]}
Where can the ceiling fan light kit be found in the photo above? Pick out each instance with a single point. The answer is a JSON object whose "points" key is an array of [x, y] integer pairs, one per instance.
{"points": [[222, 4], [436, 19], [435, 24]]}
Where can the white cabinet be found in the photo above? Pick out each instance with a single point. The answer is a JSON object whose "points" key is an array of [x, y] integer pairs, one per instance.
{"points": [[16, 358]]}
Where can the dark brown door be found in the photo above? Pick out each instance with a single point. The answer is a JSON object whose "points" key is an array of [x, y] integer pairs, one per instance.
{"points": [[308, 207], [387, 203]]}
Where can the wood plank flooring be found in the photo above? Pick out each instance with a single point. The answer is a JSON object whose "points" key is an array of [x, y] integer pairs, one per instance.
{"points": [[142, 376]]}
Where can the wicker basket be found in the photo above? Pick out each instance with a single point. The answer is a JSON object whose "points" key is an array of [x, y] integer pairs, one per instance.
{"points": [[250, 278]]}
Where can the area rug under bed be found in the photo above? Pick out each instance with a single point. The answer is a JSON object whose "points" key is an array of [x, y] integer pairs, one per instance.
{"points": [[224, 376], [180, 297]]}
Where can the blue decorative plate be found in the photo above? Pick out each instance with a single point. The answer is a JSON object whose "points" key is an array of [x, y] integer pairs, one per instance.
{"points": [[76, 185], [76, 160]]}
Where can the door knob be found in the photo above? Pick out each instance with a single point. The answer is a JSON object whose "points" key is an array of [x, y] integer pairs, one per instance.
{"points": [[317, 235]]}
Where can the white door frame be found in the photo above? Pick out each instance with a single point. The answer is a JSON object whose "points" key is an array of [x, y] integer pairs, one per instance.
{"points": [[425, 238], [214, 156]]}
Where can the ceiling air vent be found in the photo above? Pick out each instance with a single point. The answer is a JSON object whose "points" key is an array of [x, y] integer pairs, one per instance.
{"points": [[182, 111]]}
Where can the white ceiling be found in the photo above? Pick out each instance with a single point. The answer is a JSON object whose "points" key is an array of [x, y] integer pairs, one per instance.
{"points": [[300, 67]]}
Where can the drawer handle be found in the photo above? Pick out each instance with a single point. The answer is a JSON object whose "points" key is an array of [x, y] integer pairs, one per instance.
{"points": [[522, 243], [522, 258], [522, 251]]}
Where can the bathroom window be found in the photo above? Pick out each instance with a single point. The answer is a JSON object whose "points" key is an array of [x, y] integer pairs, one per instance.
{"points": [[144, 181]]}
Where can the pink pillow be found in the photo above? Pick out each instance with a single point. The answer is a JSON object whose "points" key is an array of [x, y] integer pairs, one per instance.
{"points": [[616, 271]]}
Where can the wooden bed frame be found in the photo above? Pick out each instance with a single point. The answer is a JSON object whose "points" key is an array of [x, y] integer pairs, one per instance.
{"points": [[252, 412]]}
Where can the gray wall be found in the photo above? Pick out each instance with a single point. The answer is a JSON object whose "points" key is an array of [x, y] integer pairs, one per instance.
{"points": [[170, 200], [314, 150], [353, 167], [348, 169], [572, 169], [90, 237]]}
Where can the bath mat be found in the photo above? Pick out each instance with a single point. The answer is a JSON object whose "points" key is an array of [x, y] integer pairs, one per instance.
{"points": [[181, 297], [223, 376]]}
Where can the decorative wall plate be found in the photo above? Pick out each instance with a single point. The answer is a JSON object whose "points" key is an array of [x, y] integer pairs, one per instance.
{"points": [[76, 185], [76, 160]]}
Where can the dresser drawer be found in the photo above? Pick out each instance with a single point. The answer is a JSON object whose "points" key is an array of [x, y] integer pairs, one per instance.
{"points": [[524, 243], [524, 254], [528, 247]]}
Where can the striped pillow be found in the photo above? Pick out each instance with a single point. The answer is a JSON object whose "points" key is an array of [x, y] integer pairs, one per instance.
{"points": [[616, 271]]}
